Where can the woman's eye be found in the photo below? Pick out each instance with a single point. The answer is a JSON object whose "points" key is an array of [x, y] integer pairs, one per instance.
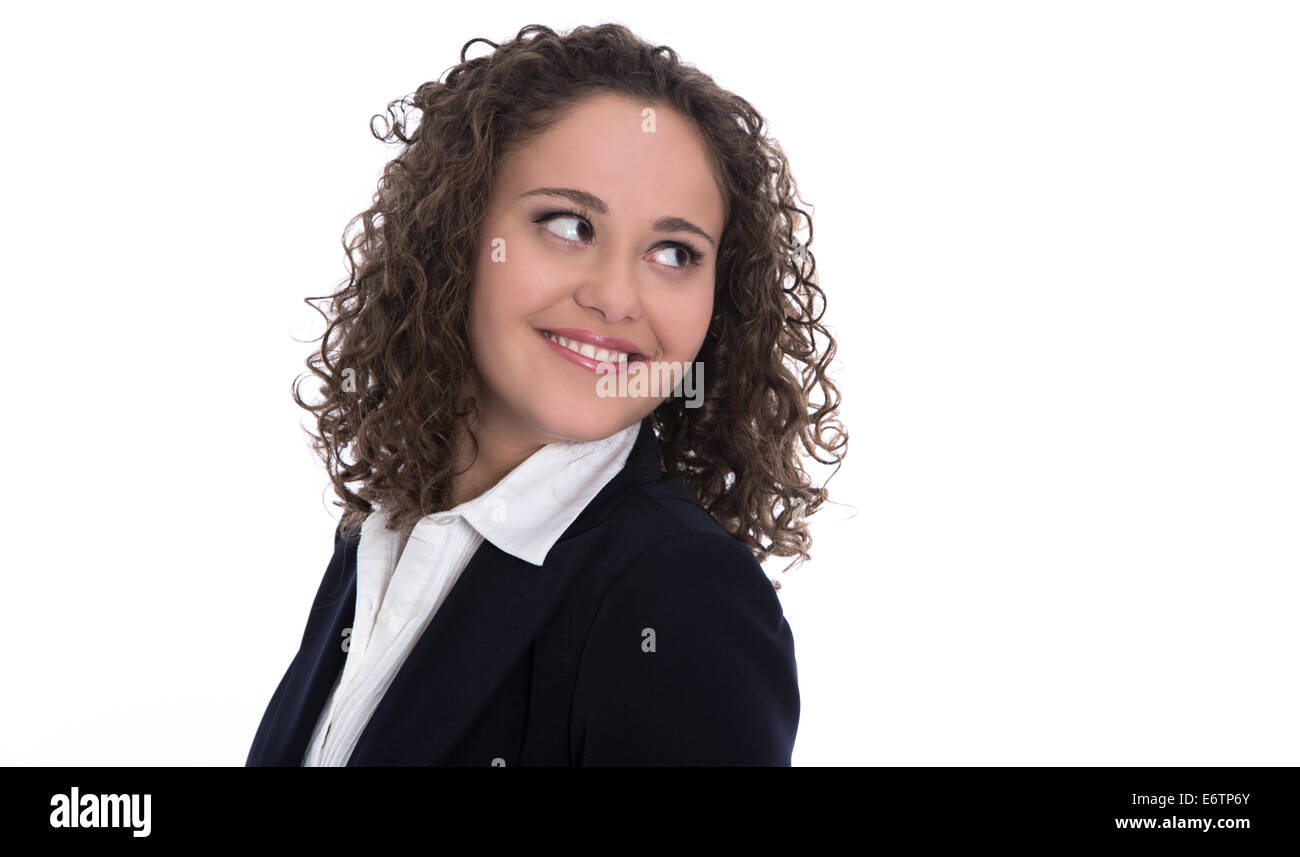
{"points": [[577, 228], [580, 232], [677, 257]]}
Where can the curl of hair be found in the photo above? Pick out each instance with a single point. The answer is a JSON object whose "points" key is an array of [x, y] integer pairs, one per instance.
{"points": [[395, 362]]}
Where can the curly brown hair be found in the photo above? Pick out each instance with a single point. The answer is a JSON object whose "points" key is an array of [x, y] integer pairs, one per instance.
{"points": [[395, 358]]}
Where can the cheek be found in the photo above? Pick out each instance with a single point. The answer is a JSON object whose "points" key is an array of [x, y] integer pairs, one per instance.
{"points": [[682, 323], [499, 288], [488, 307], [510, 276]]}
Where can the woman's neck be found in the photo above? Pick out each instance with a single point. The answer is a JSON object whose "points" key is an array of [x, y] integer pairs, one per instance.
{"points": [[501, 448]]}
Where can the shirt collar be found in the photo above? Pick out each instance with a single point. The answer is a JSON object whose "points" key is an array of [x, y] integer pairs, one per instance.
{"points": [[531, 507]]}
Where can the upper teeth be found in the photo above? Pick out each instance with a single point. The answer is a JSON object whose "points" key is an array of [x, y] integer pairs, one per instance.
{"points": [[586, 349]]}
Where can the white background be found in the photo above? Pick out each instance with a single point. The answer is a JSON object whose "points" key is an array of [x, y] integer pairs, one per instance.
{"points": [[1059, 242]]}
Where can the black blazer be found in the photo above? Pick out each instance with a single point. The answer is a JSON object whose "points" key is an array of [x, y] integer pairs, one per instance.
{"points": [[648, 637]]}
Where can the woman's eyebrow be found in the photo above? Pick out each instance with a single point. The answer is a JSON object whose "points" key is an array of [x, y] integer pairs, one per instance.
{"points": [[590, 200]]}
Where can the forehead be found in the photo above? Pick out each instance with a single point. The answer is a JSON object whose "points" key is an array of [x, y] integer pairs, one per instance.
{"points": [[604, 145]]}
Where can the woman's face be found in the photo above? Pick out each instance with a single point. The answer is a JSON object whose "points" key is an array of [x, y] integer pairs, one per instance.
{"points": [[620, 265]]}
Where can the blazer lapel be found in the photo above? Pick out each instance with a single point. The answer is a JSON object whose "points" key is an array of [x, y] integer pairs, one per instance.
{"points": [[479, 632], [487, 621]]}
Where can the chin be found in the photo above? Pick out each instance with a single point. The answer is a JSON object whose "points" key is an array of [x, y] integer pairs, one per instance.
{"points": [[587, 424]]}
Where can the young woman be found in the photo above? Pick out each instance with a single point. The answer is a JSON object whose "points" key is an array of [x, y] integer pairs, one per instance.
{"points": [[547, 563]]}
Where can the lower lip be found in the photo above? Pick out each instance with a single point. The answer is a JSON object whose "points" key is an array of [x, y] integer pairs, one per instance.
{"points": [[584, 361]]}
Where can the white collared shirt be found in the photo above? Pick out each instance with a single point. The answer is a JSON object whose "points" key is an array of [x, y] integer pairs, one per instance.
{"points": [[400, 588]]}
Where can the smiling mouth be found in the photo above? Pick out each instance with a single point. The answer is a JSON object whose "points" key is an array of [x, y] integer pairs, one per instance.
{"points": [[589, 351]]}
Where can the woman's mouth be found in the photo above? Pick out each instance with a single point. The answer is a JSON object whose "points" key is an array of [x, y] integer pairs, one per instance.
{"points": [[587, 355]]}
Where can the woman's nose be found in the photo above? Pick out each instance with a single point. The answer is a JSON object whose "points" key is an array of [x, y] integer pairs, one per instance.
{"points": [[611, 288]]}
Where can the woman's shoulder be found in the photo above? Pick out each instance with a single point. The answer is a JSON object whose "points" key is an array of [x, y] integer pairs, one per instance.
{"points": [[664, 508], [672, 544], [677, 504], [688, 658]]}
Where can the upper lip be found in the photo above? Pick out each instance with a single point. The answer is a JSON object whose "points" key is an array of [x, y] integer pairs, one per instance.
{"points": [[613, 343]]}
